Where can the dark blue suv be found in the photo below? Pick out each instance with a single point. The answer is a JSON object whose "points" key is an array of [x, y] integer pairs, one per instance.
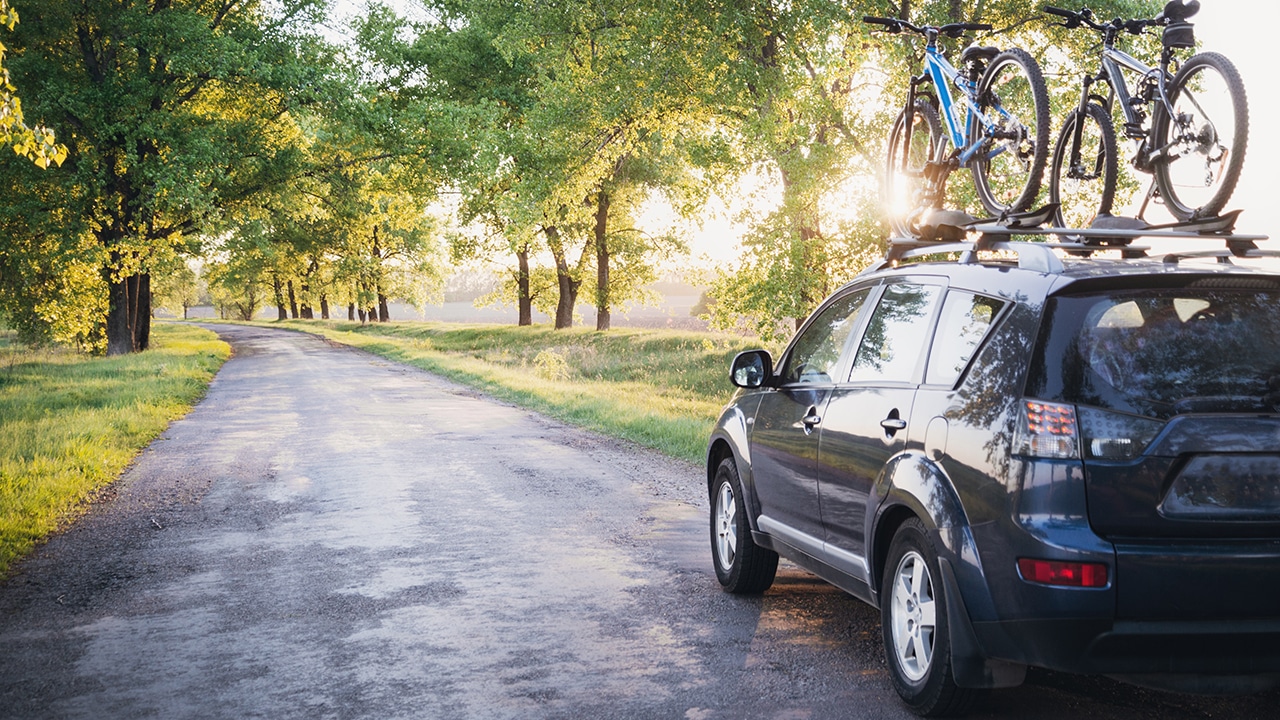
{"points": [[1025, 458]]}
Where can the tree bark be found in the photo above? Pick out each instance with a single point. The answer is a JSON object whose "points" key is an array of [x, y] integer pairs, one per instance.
{"points": [[324, 307], [602, 261], [293, 301], [128, 312], [564, 280], [522, 283], [351, 311], [281, 314], [142, 317], [384, 313]]}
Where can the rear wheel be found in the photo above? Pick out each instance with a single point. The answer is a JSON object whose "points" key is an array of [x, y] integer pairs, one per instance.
{"points": [[1008, 167], [909, 193], [742, 567], [1084, 183], [1204, 142], [913, 615]]}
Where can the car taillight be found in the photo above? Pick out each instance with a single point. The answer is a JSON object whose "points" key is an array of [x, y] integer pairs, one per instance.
{"points": [[1046, 430], [1116, 436], [1063, 574]]}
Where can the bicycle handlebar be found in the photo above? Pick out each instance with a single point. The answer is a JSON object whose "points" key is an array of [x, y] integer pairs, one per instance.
{"points": [[954, 30], [1085, 17]]}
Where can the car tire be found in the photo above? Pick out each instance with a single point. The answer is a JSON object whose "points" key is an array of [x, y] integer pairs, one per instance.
{"points": [[742, 567], [913, 616]]}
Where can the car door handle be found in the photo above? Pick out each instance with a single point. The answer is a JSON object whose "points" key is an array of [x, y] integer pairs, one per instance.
{"points": [[893, 423], [811, 420]]}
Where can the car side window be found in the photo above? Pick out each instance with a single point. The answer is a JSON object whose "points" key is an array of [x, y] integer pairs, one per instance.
{"points": [[964, 321], [896, 335], [816, 353]]}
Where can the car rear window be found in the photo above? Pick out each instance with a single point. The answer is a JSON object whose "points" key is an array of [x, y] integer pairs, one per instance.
{"points": [[1162, 352]]}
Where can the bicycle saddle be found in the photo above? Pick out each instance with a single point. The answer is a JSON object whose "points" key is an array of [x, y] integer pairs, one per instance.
{"points": [[980, 53], [1176, 10]]}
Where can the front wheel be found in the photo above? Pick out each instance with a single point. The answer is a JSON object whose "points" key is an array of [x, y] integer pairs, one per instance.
{"points": [[742, 567], [1011, 134], [913, 613], [1200, 149], [1082, 176], [910, 191]]}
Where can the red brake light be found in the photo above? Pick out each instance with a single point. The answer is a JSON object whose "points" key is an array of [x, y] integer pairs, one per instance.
{"points": [[1064, 574]]}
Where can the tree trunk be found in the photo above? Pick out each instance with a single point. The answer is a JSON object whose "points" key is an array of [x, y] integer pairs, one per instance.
{"points": [[364, 318], [293, 302], [281, 314], [564, 280], [351, 311], [308, 310], [602, 261], [128, 312], [384, 313], [522, 282], [324, 307], [142, 325]]}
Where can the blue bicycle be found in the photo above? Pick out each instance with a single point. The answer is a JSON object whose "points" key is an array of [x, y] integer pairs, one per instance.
{"points": [[997, 127]]}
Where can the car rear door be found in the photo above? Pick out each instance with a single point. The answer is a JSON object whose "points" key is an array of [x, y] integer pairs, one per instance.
{"points": [[868, 414], [1177, 392]]}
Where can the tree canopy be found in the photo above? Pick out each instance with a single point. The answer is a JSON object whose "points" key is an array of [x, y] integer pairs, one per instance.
{"points": [[298, 168]]}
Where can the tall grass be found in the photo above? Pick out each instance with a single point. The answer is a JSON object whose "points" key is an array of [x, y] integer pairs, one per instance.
{"points": [[659, 388], [69, 424]]}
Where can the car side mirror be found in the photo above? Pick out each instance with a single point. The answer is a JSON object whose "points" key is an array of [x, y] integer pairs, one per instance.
{"points": [[751, 369]]}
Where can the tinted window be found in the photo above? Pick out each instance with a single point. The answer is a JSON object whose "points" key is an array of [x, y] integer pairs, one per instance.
{"points": [[1163, 352], [816, 353], [895, 336], [965, 320]]}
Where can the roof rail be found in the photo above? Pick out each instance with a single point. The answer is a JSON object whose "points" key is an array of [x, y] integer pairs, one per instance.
{"points": [[1035, 256]]}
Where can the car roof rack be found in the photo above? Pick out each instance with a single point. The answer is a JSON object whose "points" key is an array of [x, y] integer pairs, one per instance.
{"points": [[968, 238]]}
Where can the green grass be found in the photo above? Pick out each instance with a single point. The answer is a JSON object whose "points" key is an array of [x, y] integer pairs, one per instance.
{"points": [[659, 388], [71, 423]]}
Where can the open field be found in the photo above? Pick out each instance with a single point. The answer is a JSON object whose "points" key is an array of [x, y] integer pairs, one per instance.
{"points": [[72, 423]]}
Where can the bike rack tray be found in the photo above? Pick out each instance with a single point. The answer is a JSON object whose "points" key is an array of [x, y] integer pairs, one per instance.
{"points": [[995, 236]]}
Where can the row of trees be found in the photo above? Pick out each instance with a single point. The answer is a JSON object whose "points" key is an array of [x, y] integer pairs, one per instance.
{"points": [[300, 168]]}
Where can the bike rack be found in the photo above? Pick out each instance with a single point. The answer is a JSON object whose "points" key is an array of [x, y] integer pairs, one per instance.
{"points": [[1109, 234]]}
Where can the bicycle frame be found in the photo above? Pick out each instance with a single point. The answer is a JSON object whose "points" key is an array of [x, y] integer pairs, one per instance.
{"points": [[1114, 63], [943, 76]]}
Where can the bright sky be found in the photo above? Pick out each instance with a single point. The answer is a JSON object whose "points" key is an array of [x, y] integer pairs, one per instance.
{"points": [[1244, 30]]}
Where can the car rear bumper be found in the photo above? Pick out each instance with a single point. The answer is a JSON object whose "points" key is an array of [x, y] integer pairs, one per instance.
{"points": [[1237, 647]]}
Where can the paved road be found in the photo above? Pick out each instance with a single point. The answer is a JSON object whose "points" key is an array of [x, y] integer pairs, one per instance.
{"points": [[330, 535]]}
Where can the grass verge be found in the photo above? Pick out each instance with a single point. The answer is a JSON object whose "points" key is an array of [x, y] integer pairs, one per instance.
{"points": [[660, 388], [71, 423]]}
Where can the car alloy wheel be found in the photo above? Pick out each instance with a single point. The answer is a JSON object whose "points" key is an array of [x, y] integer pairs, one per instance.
{"points": [[726, 526], [914, 616]]}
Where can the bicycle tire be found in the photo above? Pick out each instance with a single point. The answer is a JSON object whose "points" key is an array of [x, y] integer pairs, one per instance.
{"points": [[908, 191], [1015, 188], [1078, 206], [1176, 184]]}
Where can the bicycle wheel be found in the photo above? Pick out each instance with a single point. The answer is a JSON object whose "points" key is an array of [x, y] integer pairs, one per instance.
{"points": [[908, 191], [1204, 142], [1084, 183], [1014, 104]]}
